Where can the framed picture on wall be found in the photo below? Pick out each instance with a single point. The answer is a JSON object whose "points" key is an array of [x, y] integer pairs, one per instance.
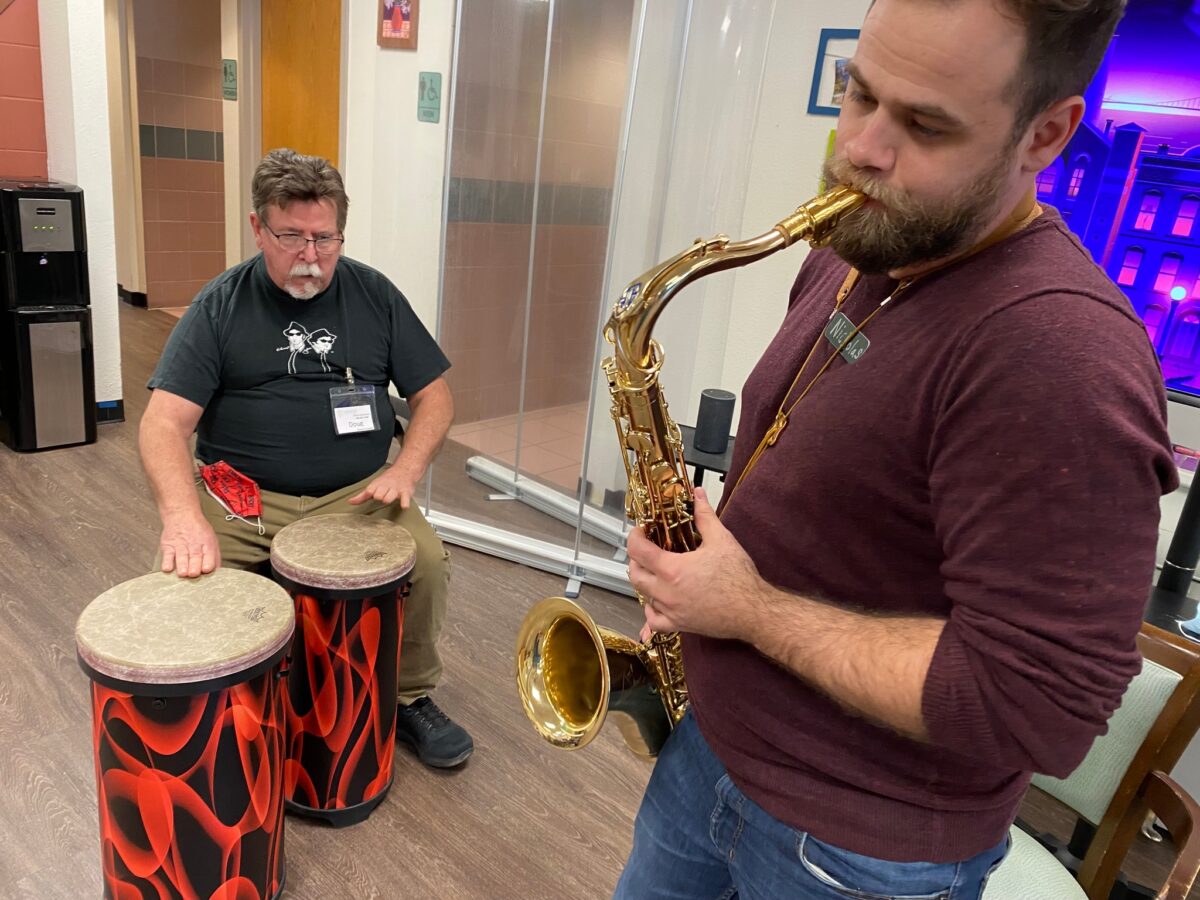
{"points": [[834, 52], [398, 24]]}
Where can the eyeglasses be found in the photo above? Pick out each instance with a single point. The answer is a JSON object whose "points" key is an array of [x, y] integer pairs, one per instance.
{"points": [[295, 243]]}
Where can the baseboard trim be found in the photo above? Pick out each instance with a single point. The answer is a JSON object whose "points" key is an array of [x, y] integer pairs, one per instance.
{"points": [[110, 411], [133, 298]]}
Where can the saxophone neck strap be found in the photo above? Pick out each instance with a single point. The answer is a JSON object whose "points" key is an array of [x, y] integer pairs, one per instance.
{"points": [[852, 279]]}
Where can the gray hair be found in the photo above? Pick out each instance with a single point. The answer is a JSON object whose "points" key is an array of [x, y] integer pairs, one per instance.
{"points": [[284, 176]]}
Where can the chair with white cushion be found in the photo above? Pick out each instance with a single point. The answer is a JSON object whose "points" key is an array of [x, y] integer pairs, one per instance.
{"points": [[1120, 779]]}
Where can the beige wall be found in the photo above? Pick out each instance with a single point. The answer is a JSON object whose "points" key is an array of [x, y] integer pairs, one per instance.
{"points": [[123, 132], [75, 85], [394, 164]]}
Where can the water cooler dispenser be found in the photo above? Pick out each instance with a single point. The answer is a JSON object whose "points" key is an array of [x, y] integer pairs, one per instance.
{"points": [[47, 383]]}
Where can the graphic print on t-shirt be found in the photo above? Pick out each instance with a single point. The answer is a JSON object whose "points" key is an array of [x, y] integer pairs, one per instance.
{"points": [[300, 341], [321, 341]]}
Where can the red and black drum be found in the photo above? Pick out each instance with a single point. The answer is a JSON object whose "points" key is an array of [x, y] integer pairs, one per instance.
{"points": [[348, 576], [188, 732]]}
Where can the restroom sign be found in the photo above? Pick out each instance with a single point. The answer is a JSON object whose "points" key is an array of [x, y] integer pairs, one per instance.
{"points": [[429, 97], [229, 79]]}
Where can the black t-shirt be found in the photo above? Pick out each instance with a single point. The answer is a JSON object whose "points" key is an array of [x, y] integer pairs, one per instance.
{"points": [[261, 363]]}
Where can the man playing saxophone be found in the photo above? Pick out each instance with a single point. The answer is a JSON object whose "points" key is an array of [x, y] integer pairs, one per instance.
{"points": [[933, 549]]}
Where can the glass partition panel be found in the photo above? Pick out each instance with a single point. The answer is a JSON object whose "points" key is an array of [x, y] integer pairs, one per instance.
{"points": [[586, 93], [684, 171], [571, 117], [496, 115], [538, 101]]}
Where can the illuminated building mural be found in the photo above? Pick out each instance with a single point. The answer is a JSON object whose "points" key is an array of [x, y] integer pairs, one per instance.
{"points": [[1129, 183]]}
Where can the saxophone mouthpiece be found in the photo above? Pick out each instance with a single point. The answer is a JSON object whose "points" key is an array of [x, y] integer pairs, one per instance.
{"points": [[816, 220]]}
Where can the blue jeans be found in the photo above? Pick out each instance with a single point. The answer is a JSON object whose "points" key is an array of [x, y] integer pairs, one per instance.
{"points": [[698, 837]]}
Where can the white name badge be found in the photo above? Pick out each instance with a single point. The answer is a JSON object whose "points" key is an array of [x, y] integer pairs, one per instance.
{"points": [[353, 408]]}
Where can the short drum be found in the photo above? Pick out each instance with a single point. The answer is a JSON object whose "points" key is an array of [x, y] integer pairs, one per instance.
{"points": [[348, 576], [188, 733]]}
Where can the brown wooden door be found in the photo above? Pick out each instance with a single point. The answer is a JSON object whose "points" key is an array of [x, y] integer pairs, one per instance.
{"points": [[301, 71]]}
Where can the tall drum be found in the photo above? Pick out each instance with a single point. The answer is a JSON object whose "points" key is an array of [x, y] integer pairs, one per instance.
{"points": [[188, 733], [348, 576]]}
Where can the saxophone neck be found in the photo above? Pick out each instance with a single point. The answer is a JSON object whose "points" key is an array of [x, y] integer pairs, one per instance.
{"points": [[644, 299]]}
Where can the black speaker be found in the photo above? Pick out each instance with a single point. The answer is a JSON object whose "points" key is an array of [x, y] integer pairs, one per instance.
{"points": [[714, 420]]}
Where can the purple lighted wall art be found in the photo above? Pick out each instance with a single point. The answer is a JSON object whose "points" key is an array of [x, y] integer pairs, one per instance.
{"points": [[1129, 183]]}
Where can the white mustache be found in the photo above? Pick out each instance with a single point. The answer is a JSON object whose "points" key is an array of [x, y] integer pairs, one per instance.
{"points": [[302, 269]]}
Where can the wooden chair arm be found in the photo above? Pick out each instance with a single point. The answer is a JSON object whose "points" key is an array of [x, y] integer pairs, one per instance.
{"points": [[1180, 813]]}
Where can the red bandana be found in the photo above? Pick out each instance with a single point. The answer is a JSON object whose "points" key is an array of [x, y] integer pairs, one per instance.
{"points": [[233, 490]]}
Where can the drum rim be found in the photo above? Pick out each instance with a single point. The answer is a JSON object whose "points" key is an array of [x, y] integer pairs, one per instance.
{"points": [[128, 672], [348, 586], [365, 592], [338, 583], [145, 687]]}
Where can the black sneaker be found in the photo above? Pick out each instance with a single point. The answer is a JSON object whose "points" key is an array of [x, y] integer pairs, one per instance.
{"points": [[436, 739]]}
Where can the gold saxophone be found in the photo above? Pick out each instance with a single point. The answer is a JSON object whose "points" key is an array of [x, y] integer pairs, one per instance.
{"points": [[571, 673]]}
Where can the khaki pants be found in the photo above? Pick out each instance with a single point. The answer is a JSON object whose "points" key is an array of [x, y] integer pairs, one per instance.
{"points": [[242, 547]]}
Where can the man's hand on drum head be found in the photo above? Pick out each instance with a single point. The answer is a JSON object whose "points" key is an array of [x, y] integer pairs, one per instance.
{"points": [[189, 546], [395, 485]]}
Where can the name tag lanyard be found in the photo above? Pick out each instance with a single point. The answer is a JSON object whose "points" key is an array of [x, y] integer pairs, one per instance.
{"points": [[352, 405], [849, 333]]}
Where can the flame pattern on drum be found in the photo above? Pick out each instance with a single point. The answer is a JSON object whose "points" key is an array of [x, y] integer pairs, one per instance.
{"points": [[190, 792], [341, 699]]}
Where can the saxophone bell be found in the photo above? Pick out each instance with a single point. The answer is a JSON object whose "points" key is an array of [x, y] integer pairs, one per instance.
{"points": [[572, 674]]}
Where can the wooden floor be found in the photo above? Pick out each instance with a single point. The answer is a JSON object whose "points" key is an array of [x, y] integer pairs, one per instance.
{"points": [[518, 821]]}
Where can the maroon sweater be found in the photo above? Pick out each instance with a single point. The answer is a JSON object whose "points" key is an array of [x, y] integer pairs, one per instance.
{"points": [[995, 459]]}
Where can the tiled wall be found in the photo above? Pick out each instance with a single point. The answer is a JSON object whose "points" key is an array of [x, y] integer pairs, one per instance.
{"points": [[23, 132], [183, 199], [493, 166]]}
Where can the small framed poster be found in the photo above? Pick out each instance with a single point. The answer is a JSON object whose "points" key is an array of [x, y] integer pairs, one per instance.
{"points": [[398, 24], [830, 75]]}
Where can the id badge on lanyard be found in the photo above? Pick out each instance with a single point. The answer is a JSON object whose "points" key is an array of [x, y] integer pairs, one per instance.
{"points": [[353, 407]]}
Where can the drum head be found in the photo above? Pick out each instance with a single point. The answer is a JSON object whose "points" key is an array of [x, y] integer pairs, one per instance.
{"points": [[163, 629], [343, 552]]}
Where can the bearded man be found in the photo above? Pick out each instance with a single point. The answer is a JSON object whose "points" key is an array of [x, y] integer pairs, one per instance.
{"points": [[311, 430], [929, 567]]}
